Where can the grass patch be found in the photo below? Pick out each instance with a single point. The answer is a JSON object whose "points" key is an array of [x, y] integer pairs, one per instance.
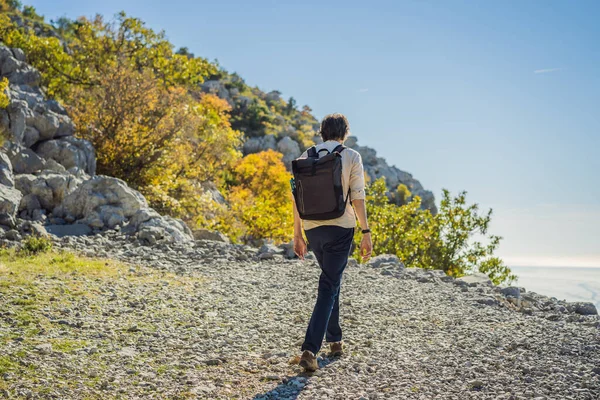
{"points": [[20, 267], [67, 345], [7, 365], [42, 300]]}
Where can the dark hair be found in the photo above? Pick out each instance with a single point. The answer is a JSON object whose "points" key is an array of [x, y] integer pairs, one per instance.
{"points": [[334, 127]]}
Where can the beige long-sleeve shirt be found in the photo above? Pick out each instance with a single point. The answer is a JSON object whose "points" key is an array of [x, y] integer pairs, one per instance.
{"points": [[353, 178]]}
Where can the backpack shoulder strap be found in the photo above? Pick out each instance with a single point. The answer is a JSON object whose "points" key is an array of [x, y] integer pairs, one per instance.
{"points": [[339, 149], [312, 152]]}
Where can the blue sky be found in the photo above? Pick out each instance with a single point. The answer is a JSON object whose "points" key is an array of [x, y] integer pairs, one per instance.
{"points": [[497, 98]]}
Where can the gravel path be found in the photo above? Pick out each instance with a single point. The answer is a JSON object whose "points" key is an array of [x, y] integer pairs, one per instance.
{"points": [[211, 321]]}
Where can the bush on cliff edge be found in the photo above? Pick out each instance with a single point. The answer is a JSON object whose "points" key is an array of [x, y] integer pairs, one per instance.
{"points": [[442, 241]]}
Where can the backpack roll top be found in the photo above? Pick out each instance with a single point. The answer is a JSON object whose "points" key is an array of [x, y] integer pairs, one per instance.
{"points": [[319, 192]]}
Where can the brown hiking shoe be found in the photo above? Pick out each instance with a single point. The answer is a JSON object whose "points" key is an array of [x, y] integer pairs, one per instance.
{"points": [[308, 361], [336, 349]]}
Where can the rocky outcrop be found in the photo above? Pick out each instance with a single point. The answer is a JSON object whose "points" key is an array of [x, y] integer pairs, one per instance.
{"points": [[377, 167], [207, 234], [290, 150], [6, 171], [10, 198], [258, 144], [47, 175], [72, 153], [44, 191], [152, 227], [101, 202], [24, 160]]}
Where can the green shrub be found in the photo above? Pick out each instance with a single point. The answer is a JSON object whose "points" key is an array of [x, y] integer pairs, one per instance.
{"points": [[33, 245], [443, 241]]}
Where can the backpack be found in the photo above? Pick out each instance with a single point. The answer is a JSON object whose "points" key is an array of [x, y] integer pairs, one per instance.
{"points": [[317, 185]]}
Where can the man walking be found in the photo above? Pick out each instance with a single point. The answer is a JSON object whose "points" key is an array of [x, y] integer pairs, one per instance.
{"points": [[330, 238]]}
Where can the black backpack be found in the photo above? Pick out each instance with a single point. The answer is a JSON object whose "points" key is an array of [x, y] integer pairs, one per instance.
{"points": [[317, 185]]}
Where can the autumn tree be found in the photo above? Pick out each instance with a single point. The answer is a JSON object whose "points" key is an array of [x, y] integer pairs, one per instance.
{"points": [[139, 103], [259, 198]]}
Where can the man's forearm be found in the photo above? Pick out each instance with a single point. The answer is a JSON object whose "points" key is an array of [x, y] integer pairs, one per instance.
{"points": [[297, 220], [361, 213]]}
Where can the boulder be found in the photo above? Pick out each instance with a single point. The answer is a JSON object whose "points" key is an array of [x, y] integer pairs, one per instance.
{"points": [[258, 144], [15, 69], [269, 248], [150, 235], [288, 250], [30, 202], [24, 160], [217, 88], [7, 220], [10, 198], [111, 215], [476, 278], [87, 200], [511, 291], [30, 136], [582, 308], [33, 228], [352, 263], [273, 96], [68, 230], [45, 122], [379, 261], [18, 113], [49, 188], [13, 234], [211, 189], [53, 166], [207, 234], [6, 171], [173, 229], [290, 150], [147, 223], [70, 152]]}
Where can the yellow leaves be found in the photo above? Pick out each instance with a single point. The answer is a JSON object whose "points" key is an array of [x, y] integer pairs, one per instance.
{"points": [[7, 5], [4, 99], [259, 198]]}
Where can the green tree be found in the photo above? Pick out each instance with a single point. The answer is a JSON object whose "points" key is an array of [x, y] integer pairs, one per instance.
{"points": [[446, 241], [291, 106]]}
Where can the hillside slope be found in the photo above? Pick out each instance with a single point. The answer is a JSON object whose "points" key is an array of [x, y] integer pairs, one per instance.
{"points": [[270, 122]]}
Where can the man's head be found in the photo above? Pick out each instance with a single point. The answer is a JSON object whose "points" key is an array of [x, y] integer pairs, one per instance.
{"points": [[334, 127]]}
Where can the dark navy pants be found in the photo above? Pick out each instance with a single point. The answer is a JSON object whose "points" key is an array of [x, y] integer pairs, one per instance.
{"points": [[331, 245]]}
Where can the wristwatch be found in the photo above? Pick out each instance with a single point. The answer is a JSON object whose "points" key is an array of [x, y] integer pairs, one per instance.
{"points": [[365, 231]]}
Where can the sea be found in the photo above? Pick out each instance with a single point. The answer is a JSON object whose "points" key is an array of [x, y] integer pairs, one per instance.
{"points": [[564, 283]]}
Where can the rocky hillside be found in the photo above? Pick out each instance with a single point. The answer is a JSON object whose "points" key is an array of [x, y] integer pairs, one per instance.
{"points": [[47, 176], [209, 320], [292, 131]]}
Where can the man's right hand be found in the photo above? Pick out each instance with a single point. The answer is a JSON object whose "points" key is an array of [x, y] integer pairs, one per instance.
{"points": [[300, 247]]}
